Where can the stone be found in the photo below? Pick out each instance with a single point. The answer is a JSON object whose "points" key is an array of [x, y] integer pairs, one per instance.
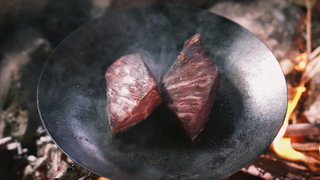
{"points": [[276, 23]]}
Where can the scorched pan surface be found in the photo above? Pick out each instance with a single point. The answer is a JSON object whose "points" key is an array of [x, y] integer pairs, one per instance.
{"points": [[248, 111]]}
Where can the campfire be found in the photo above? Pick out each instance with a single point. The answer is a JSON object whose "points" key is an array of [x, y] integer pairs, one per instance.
{"points": [[28, 152]]}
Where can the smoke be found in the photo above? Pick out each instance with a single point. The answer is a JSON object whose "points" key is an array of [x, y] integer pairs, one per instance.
{"points": [[155, 34], [155, 66]]}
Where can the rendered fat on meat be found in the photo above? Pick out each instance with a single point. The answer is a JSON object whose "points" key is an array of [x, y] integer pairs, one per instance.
{"points": [[191, 85], [132, 92]]}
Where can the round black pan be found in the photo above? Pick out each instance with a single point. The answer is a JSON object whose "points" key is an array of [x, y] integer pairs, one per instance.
{"points": [[248, 111]]}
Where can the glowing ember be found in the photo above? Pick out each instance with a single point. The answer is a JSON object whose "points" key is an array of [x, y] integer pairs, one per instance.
{"points": [[102, 178], [302, 62]]}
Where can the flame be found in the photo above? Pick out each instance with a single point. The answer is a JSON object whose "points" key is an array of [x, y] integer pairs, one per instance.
{"points": [[282, 146], [102, 178], [301, 62]]}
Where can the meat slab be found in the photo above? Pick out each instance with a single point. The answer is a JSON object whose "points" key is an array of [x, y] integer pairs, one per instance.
{"points": [[132, 92], [191, 85]]}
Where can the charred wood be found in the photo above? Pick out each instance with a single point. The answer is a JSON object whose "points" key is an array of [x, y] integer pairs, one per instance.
{"points": [[304, 129], [76, 172], [311, 146]]}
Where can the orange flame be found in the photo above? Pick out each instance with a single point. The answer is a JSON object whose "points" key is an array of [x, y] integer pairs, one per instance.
{"points": [[102, 178], [302, 62], [282, 146]]}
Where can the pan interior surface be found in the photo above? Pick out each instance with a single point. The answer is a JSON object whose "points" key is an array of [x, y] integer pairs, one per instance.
{"points": [[247, 114]]}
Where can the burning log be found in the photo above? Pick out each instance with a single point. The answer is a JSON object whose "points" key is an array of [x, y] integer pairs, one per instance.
{"points": [[270, 163], [306, 146], [304, 129]]}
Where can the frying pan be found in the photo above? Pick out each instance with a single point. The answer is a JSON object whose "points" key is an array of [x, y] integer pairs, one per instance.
{"points": [[249, 109]]}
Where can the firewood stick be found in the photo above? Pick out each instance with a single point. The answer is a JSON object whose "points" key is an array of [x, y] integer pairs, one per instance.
{"points": [[296, 166], [312, 69], [303, 129], [5, 140], [308, 39], [274, 165], [312, 72], [75, 172], [314, 53], [305, 146], [314, 178], [313, 63]]}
